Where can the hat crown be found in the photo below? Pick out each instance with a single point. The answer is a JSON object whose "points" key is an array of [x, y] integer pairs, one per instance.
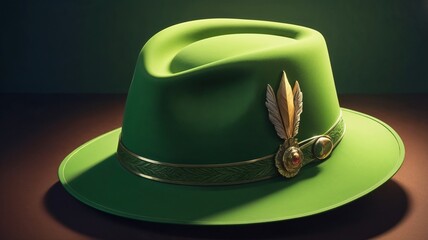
{"points": [[199, 88], [222, 47]]}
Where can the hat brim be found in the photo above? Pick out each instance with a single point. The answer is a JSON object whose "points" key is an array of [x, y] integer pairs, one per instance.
{"points": [[370, 153]]}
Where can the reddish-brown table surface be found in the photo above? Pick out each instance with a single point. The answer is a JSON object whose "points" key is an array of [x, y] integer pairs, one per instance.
{"points": [[38, 131]]}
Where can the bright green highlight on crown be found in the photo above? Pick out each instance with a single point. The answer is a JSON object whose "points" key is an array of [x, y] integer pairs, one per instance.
{"points": [[232, 45]]}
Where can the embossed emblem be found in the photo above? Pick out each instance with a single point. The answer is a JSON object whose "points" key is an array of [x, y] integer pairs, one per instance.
{"points": [[284, 110]]}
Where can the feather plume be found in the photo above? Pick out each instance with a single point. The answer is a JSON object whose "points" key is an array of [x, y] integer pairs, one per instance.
{"points": [[298, 107], [285, 102], [274, 115]]}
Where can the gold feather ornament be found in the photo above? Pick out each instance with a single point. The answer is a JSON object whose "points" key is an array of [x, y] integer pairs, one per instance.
{"points": [[284, 112]]}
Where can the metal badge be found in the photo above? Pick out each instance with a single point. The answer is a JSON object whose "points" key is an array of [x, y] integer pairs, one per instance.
{"points": [[322, 147], [284, 112]]}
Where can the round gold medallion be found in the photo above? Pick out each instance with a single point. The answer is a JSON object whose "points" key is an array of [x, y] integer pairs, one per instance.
{"points": [[289, 161], [322, 147]]}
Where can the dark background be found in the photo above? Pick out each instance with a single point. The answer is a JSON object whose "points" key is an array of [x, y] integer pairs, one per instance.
{"points": [[91, 46]]}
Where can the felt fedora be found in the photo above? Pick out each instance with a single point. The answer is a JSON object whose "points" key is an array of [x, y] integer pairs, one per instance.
{"points": [[232, 121]]}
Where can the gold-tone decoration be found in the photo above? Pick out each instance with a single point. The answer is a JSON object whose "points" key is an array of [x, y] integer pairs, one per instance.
{"points": [[322, 147], [298, 106], [284, 113], [285, 100]]}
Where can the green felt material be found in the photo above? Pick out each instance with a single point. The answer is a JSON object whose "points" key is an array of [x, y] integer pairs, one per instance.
{"points": [[369, 154], [198, 97], [199, 88]]}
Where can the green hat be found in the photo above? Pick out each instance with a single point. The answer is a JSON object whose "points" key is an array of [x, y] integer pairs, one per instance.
{"points": [[232, 121]]}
